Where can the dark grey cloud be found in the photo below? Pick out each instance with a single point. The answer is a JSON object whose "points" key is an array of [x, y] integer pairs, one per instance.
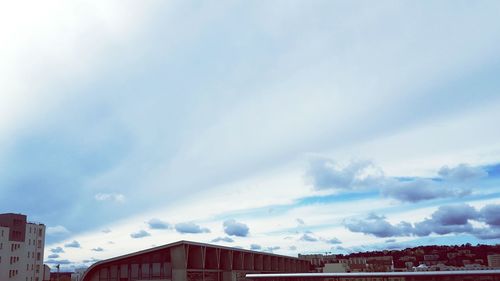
{"points": [[91, 260], [462, 172], [73, 244], [390, 240], [140, 234], [415, 190], [57, 250], [271, 249], [445, 220], [223, 239], [190, 227], [54, 261], [292, 248], [429, 226], [53, 256], [300, 221], [98, 249], [455, 214], [158, 224], [490, 214], [378, 226], [487, 233], [325, 173], [107, 230], [234, 228], [332, 241], [308, 238], [255, 247]]}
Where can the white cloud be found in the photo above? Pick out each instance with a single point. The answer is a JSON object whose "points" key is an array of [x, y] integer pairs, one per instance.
{"points": [[116, 197], [57, 230]]}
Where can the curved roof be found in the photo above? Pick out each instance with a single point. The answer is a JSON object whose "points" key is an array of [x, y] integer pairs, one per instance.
{"points": [[182, 242]]}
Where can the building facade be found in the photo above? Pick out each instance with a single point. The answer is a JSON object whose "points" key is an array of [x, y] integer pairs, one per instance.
{"points": [[21, 249], [494, 261], [191, 261], [318, 261]]}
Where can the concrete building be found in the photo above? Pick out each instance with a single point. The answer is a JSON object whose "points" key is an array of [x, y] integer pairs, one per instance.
{"points": [[191, 261], [334, 268], [21, 249], [60, 276], [46, 273], [318, 261], [494, 261], [379, 264]]}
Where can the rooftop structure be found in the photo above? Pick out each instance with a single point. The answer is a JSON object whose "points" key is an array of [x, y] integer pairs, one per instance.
{"points": [[192, 261]]}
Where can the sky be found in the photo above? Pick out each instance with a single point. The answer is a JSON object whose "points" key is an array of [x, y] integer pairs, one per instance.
{"points": [[285, 126]]}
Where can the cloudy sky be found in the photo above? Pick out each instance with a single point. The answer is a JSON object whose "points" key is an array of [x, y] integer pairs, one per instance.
{"points": [[284, 126]]}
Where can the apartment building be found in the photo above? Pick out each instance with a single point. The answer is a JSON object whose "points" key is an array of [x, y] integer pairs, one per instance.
{"points": [[21, 248]]}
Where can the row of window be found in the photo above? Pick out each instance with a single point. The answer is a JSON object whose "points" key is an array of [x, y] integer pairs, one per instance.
{"points": [[12, 273], [14, 246], [28, 266], [17, 234], [35, 243], [34, 229], [38, 255], [14, 260]]}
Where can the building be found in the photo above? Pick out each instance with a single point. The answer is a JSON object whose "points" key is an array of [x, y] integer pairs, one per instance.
{"points": [[78, 274], [494, 261], [318, 261], [21, 249], [46, 273], [379, 264], [191, 261], [60, 276], [335, 267]]}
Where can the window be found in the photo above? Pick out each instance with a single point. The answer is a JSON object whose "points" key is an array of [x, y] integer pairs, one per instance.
{"points": [[40, 232], [37, 256]]}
